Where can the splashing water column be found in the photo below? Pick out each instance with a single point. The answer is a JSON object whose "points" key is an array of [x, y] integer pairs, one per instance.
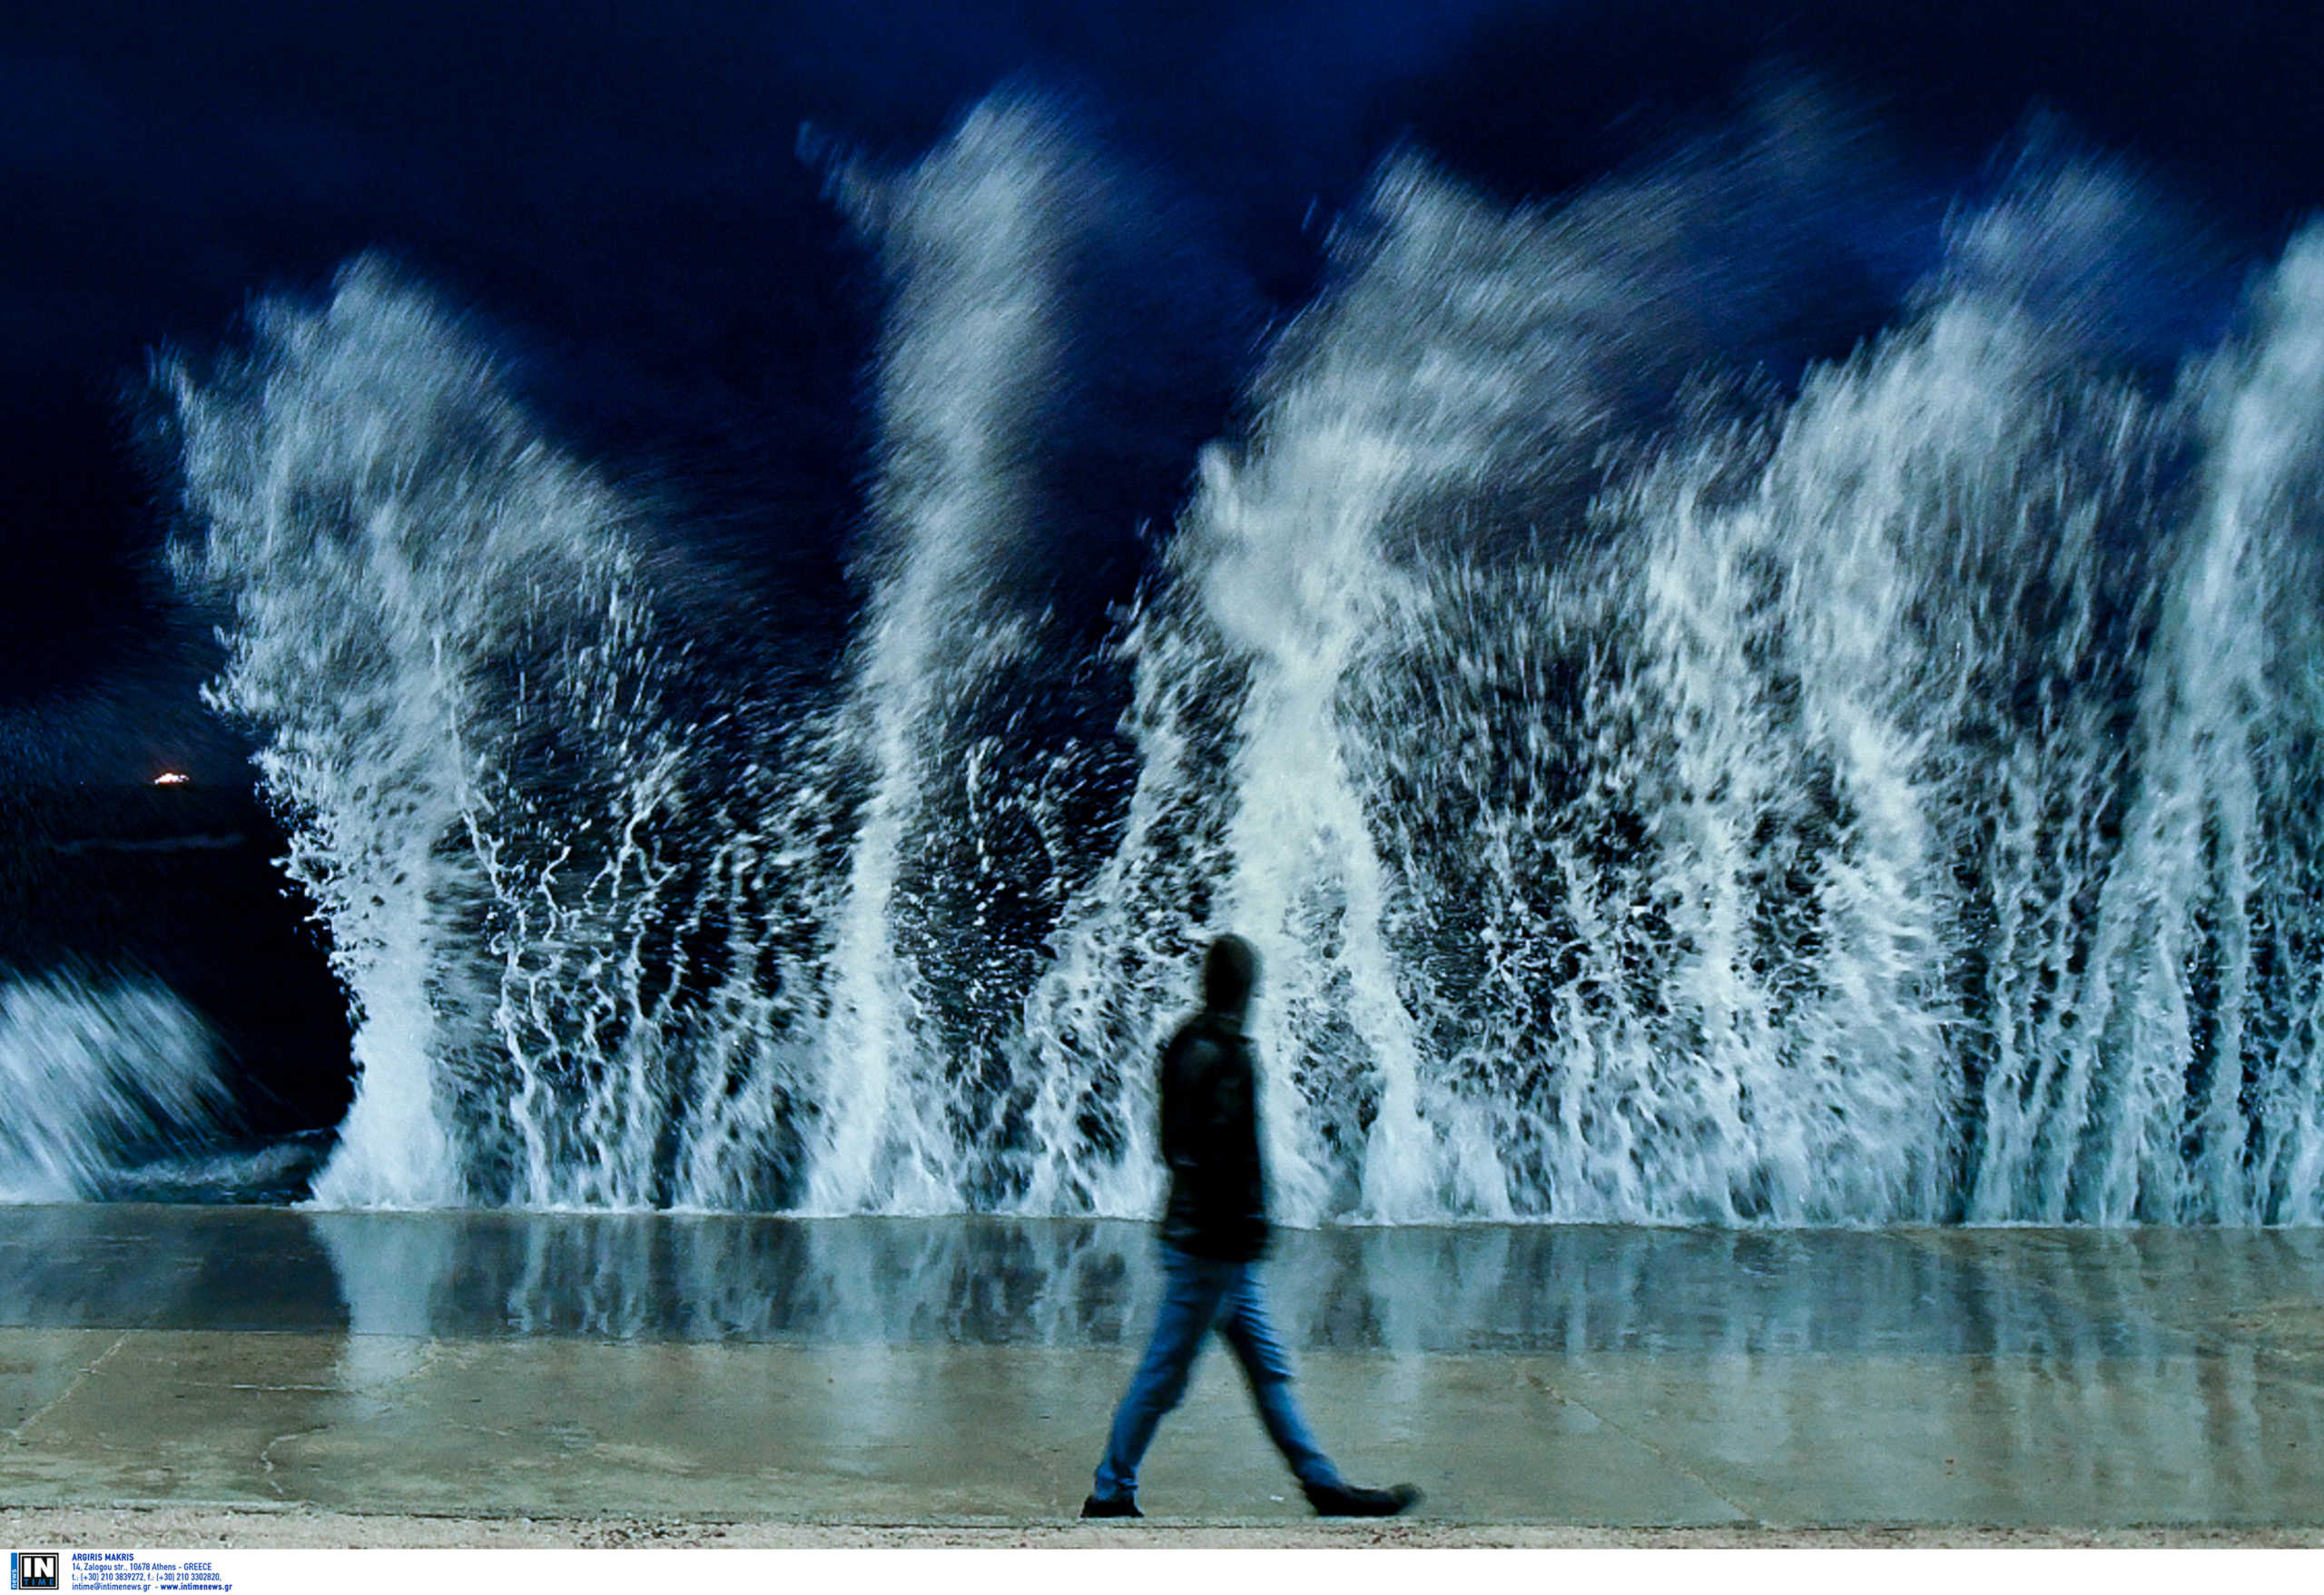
{"points": [[1877, 804], [2197, 837], [971, 240], [417, 585], [1297, 582]]}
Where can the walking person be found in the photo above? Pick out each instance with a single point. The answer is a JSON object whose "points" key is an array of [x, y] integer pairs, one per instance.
{"points": [[1213, 1233]]}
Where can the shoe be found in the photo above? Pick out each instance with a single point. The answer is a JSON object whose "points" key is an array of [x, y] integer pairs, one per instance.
{"points": [[1120, 1506], [1352, 1500]]}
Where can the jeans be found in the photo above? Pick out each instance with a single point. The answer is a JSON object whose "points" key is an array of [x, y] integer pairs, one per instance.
{"points": [[1202, 1293]]}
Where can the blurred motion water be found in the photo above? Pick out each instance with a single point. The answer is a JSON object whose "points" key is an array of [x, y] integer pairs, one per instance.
{"points": [[1659, 795]]}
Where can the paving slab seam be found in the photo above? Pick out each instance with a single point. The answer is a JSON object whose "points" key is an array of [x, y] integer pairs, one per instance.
{"points": [[79, 1379], [289, 1388], [266, 1451], [1665, 1458]]}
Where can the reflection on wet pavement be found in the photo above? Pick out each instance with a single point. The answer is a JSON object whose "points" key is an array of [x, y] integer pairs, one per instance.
{"points": [[984, 1281], [900, 1370]]}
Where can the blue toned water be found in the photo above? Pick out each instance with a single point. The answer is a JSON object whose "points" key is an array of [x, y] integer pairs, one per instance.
{"points": [[1659, 793]]}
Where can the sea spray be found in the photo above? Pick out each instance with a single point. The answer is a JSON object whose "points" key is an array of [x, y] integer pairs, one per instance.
{"points": [[105, 1077], [969, 239], [992, 250], [444, 631], [1659, 793], [2207, 930], [1771, 846], [1448, 393]]}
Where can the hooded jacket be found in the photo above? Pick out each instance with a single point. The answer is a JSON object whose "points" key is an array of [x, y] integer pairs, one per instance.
{"points": [[1210, 1139]]}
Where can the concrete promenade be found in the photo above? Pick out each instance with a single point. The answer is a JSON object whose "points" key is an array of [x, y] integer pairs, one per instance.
{"points": [[254, 1375]]}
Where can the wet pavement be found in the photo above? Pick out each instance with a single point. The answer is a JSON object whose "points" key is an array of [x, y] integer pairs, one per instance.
{"points": [[962, 1370]]}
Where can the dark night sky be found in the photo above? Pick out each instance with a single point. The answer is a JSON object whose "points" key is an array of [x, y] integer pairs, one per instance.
{"points": [[616, 189]]}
